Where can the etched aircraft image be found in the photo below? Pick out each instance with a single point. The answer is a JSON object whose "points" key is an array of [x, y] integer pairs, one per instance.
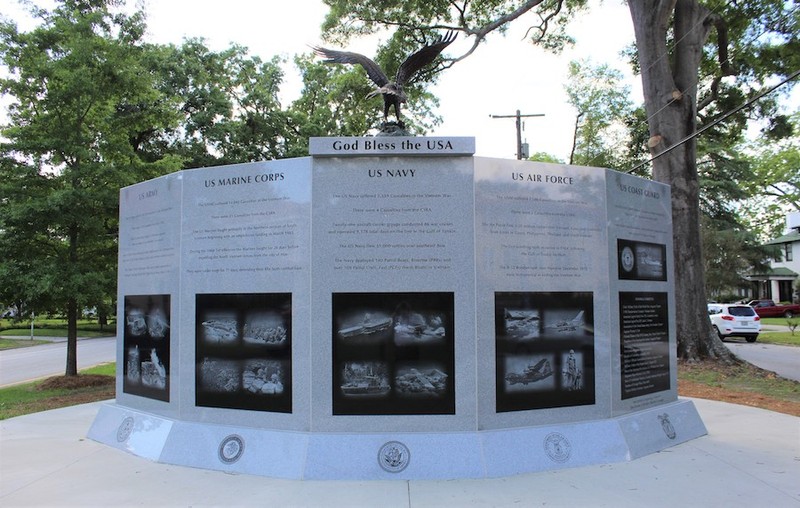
{"points": [[529, 373], [521, 324], [418, 328], [421, 380], [565, 322]]}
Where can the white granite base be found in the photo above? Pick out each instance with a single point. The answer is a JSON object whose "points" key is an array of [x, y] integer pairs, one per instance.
{"points": [[402, 456]]}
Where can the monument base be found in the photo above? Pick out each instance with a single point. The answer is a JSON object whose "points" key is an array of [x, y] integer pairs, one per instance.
{"points": [[401, 456]]}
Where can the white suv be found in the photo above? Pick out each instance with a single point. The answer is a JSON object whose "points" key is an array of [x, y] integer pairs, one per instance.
{"points": [[734, 320]]}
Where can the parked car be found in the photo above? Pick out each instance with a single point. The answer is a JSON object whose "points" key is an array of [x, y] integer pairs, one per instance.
{"points": [[768, 308], [734, 320]]}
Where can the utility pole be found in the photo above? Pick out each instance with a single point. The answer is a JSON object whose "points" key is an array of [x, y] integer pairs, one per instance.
{"points": [[519, 118]]}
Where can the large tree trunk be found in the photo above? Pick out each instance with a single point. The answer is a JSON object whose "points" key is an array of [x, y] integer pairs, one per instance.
{"points": [[670, 92]]}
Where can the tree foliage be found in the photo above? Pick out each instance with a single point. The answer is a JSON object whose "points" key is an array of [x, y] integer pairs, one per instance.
{"points": [[79, 96], [602, 104]]}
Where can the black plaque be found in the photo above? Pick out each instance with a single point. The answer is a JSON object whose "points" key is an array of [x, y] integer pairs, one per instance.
{"points": [[393, 353], [644, 344], [146, 346], [641, 260], [243, 356], [544, 350]]}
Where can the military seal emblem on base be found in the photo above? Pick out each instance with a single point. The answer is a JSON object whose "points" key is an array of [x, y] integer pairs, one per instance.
{"points": [[231, 449], [125, 429], [557, 447], [669, 430], [394, 457]]}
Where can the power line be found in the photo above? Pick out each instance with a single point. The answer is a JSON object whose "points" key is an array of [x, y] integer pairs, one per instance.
{"points": [[718, 120]]}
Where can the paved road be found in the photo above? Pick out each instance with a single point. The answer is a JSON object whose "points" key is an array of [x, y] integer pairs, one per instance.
{"points": [[783, 360], [25, 364], [28, 363]]}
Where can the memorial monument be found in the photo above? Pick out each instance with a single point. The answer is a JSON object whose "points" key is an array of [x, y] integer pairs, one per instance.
{"points": [[395, 307]]}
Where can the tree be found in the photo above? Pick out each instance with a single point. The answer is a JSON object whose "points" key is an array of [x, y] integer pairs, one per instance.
{"points": [[670, 39], [672, 43], [602, 104], [774, 188], [80, 99], [228, 105]]}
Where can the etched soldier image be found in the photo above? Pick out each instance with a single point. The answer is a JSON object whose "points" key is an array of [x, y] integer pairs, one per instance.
{"points": [[573, 371], [265, 328]]}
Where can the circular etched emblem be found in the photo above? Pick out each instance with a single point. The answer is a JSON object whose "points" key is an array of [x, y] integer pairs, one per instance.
{"points": [[557, 447], [231, 449], [627, 259], [125, 429], [394, 456]]}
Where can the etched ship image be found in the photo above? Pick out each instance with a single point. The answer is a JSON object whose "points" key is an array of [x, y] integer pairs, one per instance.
{"points": [[365, 379], [368, 326], [651, 263], [531, 374]]}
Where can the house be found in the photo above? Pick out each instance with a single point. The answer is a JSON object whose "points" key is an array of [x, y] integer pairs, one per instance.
{"points": [[779, 283]]}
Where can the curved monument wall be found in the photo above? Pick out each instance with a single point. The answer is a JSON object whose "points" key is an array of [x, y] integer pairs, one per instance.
{"points": [[387, 301]]}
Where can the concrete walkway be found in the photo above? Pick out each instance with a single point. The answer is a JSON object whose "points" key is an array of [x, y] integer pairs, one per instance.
{"points": [[750, 457]]}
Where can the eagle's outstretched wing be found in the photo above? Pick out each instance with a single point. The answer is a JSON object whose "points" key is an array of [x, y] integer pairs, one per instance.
{"points": [[374, 71], [423, 57]]}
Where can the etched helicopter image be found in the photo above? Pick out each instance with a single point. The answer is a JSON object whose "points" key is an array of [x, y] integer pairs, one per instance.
{"points": [[531, 374], [575, 324]]}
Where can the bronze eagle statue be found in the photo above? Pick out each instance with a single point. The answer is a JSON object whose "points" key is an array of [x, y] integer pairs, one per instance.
{"points": [[392, 91]]}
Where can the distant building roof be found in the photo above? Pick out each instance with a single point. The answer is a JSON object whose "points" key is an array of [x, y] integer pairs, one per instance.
{"points": [[773, 273], [794, 236]]}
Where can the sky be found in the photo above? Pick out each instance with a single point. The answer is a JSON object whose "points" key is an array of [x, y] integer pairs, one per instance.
{"points": [[504, 75]]}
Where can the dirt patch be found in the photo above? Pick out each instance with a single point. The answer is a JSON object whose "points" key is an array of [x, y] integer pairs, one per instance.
{"points": [[76, 382], [742, 384]]}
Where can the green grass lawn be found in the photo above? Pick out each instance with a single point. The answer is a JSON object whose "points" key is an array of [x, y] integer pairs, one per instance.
{"points": [[54, 327], [38, 395], [783, 338]]}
